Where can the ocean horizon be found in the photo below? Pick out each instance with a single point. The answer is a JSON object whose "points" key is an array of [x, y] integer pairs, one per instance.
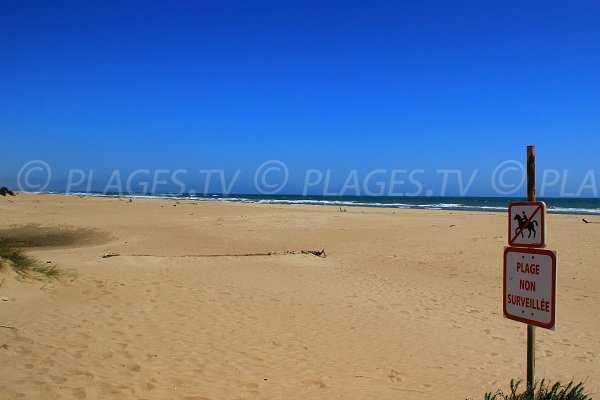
{"points": [[555, 205]]}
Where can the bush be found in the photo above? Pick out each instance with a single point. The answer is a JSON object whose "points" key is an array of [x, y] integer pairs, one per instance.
{"points": [[543, 392], [6, 191]]}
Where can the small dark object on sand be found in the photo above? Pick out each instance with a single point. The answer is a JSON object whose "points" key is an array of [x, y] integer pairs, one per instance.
{"points": [[7, 327], [6, 191], [318, 253], [585, 220]]}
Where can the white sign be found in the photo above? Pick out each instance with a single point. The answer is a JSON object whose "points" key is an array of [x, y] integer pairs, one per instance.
{"points": [[526, 224], [530, 286]]}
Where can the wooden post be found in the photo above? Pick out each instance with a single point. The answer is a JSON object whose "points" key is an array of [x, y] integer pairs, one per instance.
{"points": [[530, 328], [530, 173]]}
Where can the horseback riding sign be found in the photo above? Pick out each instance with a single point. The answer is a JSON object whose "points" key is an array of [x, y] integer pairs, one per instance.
{"points": [[526, 227]]}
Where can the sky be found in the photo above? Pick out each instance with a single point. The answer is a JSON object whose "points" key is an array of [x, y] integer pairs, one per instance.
{"points": [[336, 86]]}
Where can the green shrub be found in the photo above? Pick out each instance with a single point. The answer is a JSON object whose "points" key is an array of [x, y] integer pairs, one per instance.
{"points": [[544, 391]]}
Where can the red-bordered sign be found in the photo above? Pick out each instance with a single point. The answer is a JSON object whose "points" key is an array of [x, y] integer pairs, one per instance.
{"points": [[527, 224], [529, 290]]}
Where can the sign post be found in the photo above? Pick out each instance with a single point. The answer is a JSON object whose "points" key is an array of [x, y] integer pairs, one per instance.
{"points": [[530, 328], [529, 287]]}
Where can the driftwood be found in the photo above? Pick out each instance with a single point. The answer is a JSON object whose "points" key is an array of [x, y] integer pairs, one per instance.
{"points": [[107, 255], [317, 253]]}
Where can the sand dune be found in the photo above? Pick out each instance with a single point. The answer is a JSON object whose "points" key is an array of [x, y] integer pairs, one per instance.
{"points": [[406, 305]]}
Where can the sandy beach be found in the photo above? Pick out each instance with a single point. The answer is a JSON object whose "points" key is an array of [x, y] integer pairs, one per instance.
{"points": [[222, 301]]}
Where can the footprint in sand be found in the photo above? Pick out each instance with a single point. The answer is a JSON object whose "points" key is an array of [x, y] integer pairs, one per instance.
{"points": [[78, 354], [394, 376], [248, 385], [79, 393], [315, 383], [589, 356], [58, 379], [134, 367]]}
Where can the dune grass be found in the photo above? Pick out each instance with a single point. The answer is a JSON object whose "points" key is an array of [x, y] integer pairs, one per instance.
{"points": [[24, 265], [543, 391]]}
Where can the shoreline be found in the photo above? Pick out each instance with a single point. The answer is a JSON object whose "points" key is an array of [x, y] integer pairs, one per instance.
{"points": [[325, 201]]}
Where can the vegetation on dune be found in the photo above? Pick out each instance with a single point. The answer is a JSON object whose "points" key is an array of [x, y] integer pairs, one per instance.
{"points": [[543, 391], [6, 191], [25, 266]]}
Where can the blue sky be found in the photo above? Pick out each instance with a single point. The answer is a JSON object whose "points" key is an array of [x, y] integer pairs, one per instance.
{"points": [[318, 85]]}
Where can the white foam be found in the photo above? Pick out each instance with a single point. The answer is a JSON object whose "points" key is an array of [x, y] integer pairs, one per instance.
{"points": [[568, 210]]}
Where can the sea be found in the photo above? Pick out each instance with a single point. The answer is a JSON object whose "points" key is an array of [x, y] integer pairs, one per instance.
{"points": [[588, 206]]}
